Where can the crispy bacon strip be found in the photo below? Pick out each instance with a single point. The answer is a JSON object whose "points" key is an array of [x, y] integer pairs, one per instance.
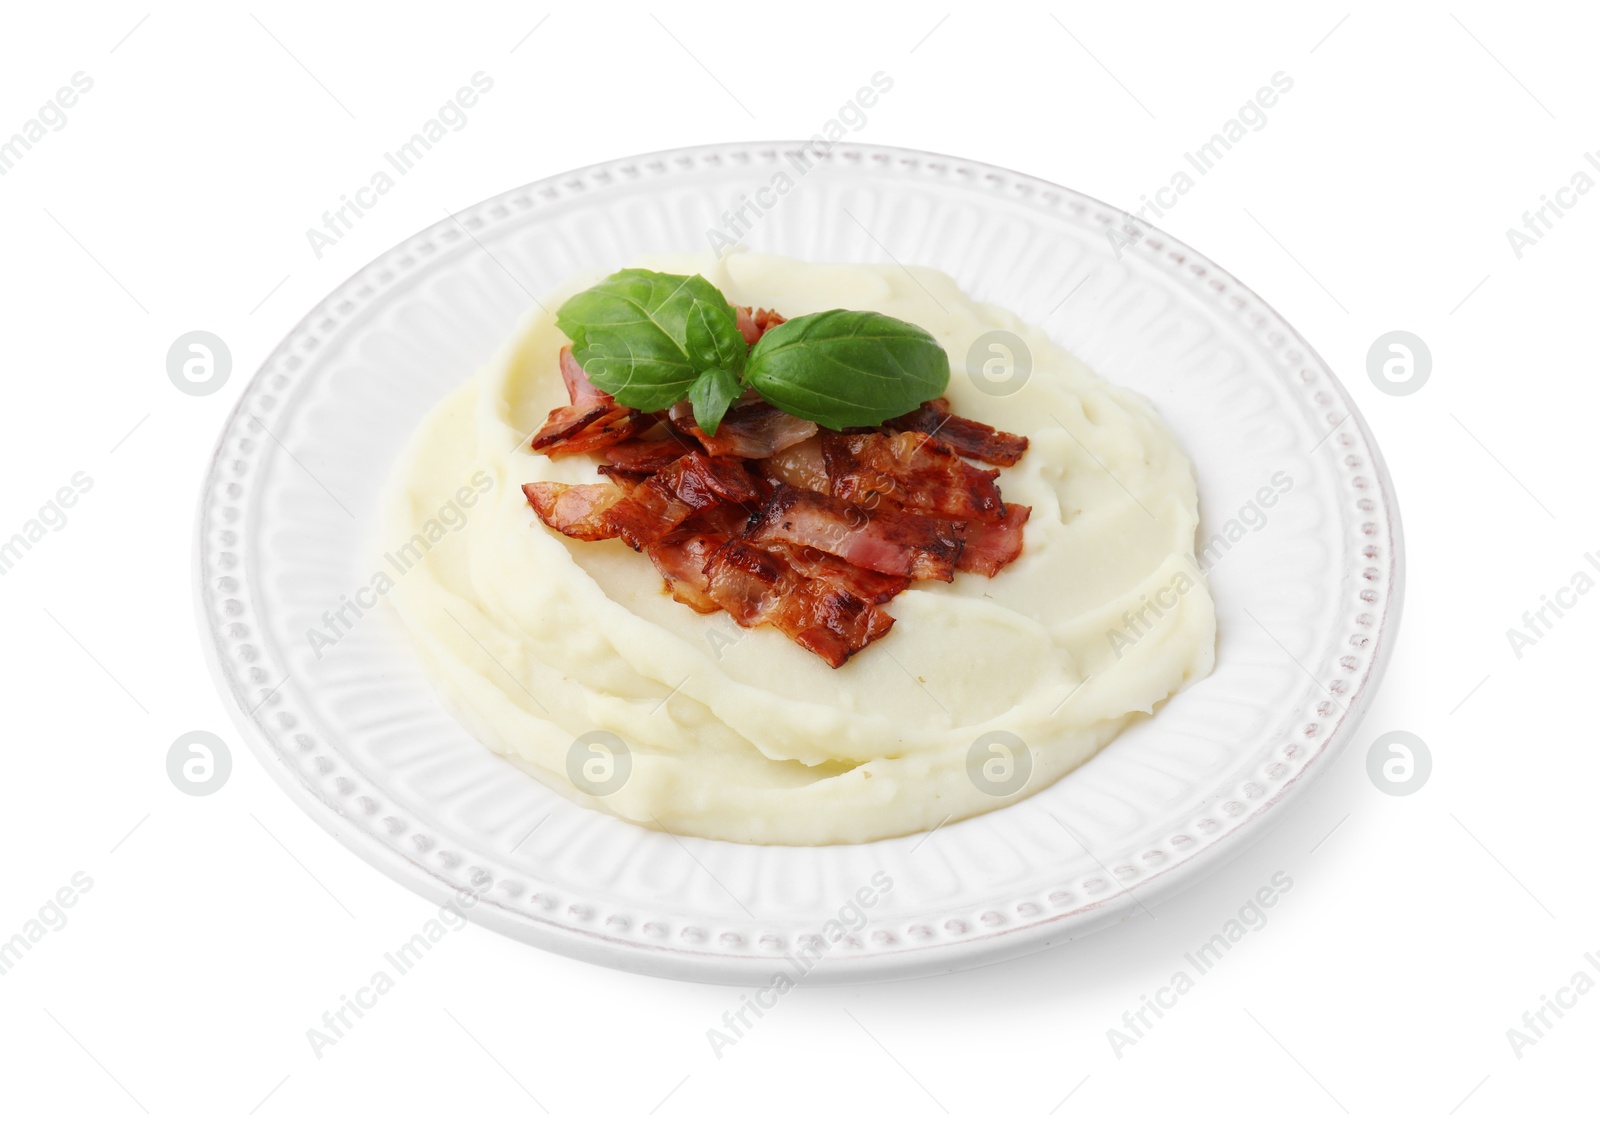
{"points": [[579, 389], [648, 513], [963, 436], [873, 587], [681, 561], [593, 420], [644, 513], [755, 586], [896, 542], [578, 511], [748, 329], [992, 545], [574, 429], [666, 500], [623, 478], [646, 456], [705, 480], [753, 325], [680, 557], [728, 519], [751, 429], [910, 470]]}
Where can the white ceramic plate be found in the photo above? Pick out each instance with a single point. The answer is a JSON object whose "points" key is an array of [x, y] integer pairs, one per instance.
{"points": [[1307, 592]]}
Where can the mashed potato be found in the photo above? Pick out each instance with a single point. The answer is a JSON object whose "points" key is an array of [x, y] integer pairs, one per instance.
{"points": [[570, 657]]}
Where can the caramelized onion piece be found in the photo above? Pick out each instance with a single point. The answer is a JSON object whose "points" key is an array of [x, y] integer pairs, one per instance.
{"points": [[801, 465]]}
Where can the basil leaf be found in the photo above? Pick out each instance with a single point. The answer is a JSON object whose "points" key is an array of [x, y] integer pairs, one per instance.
{"points": [[645, 337], [713, 338], [640, 373], [848, 368], [710, 397]]}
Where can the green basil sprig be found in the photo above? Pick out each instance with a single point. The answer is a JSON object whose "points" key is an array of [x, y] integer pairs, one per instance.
{"points": [[652, 339], [646, 337], [847, 368]]}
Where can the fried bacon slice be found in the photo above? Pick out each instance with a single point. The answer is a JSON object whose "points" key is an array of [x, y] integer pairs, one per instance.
{"points": [[580, 391], [681, 561], [680, 557], [593, 420], [572, 430], [873, 587], [753, 324], [578, 511], [887, 540], [649, 512], [705, 480], [990, 546], [684, 488], [624, 478], [913, 471], [645, 456], [751, 429], [634, 460], [963, 436], [644, 513], [757, 587]]}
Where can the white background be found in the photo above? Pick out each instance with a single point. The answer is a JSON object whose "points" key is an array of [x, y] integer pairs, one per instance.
{"points": [[1377, 197]]}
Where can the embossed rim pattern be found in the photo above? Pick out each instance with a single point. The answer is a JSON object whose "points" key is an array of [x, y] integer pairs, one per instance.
{"points": [[527, 907]]}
